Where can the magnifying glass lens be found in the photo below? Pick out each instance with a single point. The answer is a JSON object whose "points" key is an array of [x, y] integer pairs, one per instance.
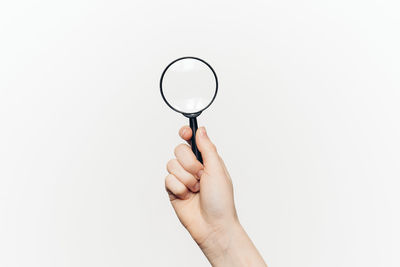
{"points": [[189, 85]]}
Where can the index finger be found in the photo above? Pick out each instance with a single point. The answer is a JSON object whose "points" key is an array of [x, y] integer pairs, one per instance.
{"points": [[185, 133]]}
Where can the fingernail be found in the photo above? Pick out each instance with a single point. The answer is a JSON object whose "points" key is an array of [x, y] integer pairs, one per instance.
{"points": [[183, 132], [197, 187], [203, 131]]}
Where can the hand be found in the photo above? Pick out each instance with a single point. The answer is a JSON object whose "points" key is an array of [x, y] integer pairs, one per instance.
{"points": [[202, 197]]}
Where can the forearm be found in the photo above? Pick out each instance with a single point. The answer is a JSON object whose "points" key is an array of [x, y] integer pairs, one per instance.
{"points": [[232, 248]]}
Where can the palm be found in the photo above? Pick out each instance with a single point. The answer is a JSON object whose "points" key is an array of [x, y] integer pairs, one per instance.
{"points": [[205, 210]]}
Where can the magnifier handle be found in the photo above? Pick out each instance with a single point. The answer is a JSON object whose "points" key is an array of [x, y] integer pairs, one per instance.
{"points": [[193, 125]]}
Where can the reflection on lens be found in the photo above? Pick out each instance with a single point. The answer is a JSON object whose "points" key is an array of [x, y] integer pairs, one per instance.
{"points": [[189, 85]]}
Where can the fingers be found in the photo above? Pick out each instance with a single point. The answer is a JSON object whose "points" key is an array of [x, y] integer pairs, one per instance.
{"points": [[206, 147], [208, 150], [177, 188], [187, 159], [175, 168], [185, 133]]}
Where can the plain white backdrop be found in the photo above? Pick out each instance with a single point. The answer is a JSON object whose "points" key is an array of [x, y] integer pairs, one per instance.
{"points": [[307, 120]]}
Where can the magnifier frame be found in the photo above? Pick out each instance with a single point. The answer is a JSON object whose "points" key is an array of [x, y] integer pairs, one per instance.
{"points": [[194, 114]]}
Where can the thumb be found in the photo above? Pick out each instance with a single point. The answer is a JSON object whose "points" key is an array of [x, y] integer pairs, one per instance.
{"points": [[207, 149]]}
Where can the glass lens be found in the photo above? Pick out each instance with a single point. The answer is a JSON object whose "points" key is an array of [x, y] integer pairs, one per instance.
{"points": [[189, 85]]}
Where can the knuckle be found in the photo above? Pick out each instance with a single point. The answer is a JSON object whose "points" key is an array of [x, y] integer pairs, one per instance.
{"points": [[171, 164], [188, 180], [179, 148], [168, 179], [182, 193], [192, 183], [192, 165]]}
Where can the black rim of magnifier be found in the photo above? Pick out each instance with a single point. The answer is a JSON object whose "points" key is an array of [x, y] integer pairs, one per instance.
{"points": [[189, 115]]}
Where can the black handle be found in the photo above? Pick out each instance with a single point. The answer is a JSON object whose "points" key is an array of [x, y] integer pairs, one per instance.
{"points": [[193, 125]]}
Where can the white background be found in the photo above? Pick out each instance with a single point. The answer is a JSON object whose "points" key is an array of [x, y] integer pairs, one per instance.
{"points": [[307, 120]]}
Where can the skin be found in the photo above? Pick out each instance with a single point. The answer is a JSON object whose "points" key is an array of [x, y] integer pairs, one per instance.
{"points": [[202, 197]]}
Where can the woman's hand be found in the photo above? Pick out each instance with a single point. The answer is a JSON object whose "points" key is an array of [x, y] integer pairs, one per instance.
{"points": [[202, 197]]}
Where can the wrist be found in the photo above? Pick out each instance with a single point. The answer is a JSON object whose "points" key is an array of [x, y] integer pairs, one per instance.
{"points": [[231, 246], [219, 239]]}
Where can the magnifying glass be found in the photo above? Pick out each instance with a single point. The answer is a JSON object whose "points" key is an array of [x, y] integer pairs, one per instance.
{"points": [[189, 85]]}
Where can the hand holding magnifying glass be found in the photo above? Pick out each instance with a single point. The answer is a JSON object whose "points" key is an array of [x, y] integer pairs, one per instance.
{"points": [[189, 85]]}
